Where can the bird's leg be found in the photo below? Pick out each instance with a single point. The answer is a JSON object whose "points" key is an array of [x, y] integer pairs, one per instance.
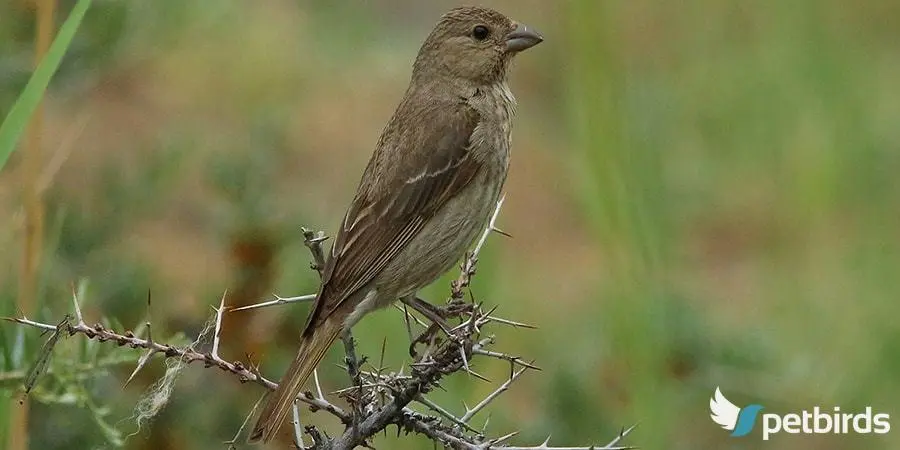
{"points": [[433, 313]]}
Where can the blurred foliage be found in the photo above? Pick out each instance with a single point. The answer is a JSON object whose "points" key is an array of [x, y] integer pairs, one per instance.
{"points": [[702, 194]]}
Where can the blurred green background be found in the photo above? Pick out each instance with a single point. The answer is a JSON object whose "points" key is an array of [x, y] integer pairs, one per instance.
{"points": [[702, 194]]}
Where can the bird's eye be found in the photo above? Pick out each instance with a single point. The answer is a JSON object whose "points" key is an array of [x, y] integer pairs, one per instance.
{"points": [[480, 32]]}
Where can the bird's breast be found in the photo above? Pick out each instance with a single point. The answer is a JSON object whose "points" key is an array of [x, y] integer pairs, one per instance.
{"points": [[490, 141]]}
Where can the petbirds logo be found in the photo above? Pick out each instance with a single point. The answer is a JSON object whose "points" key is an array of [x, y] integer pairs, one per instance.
{"points": [[740, 421]]}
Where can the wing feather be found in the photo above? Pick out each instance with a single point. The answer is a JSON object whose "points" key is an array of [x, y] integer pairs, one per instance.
{"points": [[409, 179]]}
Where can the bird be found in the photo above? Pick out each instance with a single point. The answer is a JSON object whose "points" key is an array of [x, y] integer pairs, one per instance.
{"points": [[427, 192]]}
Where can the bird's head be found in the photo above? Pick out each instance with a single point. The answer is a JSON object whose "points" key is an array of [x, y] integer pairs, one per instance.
{"points": [[473, 44]]}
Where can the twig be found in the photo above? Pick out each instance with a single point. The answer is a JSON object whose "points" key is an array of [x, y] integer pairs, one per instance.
{"points": [[493, 395], [313, 240]]}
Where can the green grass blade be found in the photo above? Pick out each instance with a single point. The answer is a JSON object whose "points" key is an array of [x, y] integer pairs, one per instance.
{"points": [[17, 119]]}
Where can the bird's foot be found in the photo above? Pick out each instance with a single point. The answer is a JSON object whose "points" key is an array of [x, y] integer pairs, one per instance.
{"points": [[458, 308], [433, 313]]}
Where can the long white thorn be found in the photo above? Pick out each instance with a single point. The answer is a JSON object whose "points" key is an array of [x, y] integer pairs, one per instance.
{"points": [[77, 307], [503, 387], [490, 227], [622, 434], [319, 393], [25, 321], [141, 363], [278, 301], [216, 337]]}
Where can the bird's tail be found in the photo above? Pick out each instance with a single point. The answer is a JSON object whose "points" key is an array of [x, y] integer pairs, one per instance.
{"points": [[313, 347]]}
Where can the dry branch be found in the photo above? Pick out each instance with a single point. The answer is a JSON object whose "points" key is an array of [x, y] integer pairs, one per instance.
{"points": [[377, 399]]}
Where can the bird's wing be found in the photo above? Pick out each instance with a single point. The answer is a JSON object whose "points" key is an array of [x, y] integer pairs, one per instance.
{"points": [[410, 177], [722, 411]]}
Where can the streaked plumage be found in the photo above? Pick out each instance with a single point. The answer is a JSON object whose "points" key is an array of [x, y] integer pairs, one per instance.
{"points": [[428, 190]]}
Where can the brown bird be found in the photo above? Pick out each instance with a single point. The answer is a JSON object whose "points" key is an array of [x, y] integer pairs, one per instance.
{"points": [[427, 192]]}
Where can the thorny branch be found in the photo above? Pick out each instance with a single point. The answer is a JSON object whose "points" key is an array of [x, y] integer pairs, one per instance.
{"points": [[378, 399], [244, 373]]}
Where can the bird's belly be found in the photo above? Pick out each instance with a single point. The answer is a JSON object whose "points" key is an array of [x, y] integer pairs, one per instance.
{"points": [[443, 240]]}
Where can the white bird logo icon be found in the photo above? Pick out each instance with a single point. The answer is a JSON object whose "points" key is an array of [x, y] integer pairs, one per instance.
{"points": [[722, 411]]}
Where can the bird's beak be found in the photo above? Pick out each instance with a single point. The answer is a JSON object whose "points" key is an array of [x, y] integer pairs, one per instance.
{"points": [[522, 39]]}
